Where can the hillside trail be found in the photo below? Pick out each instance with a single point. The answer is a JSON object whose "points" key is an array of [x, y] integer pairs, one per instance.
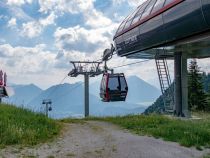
{"points": [[95, 139]]}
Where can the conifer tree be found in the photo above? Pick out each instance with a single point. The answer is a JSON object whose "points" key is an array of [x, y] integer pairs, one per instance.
{"points": [[197, 98], [208, 98]]}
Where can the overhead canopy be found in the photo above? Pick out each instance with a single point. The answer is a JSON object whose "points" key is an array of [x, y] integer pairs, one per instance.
{"points": [[162, 27]]}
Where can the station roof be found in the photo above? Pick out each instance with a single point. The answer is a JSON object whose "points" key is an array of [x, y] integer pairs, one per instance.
{"points": [[144, 12], [197, 46]]}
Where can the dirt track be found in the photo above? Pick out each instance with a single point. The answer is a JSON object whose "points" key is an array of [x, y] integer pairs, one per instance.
{"points": [[95, 139]]}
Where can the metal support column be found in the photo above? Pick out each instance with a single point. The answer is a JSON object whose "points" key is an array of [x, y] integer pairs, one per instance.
{"points": [[181, 85], [86, 95], [184, 80], [83, 68], [0, 100], [47, 103], [46, 110], [178, 83]]}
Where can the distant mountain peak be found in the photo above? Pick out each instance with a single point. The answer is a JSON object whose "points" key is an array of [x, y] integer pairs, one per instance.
{"points": [[65, 84], [32, 85], [136, 78], [24, 93]]}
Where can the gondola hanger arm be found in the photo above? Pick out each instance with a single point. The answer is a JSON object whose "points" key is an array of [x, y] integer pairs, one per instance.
{"points": [[107, 55]]}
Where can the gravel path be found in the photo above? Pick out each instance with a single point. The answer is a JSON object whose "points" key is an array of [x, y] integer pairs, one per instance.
{"points": [[95, 139]]}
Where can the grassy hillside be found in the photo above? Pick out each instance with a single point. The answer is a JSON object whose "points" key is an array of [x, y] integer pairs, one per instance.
{"points": [[23, 127], [185, 132]]}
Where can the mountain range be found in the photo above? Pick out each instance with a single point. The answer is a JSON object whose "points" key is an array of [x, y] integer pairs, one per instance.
{"points": [[23, 94], [67, 99]]}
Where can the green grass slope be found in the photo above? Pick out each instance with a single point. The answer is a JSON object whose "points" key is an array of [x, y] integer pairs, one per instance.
{"points": [[186, 132], [22, 127], [189, 133]]}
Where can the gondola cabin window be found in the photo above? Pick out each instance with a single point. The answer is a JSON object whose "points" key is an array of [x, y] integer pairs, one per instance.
{"points": [[123, 84], [113, 84]]}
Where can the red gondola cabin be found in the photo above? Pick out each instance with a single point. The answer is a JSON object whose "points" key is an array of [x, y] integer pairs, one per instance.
{"points": [[113, 87]]}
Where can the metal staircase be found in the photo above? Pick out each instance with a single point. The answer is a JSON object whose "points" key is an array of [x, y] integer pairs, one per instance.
{"points": [[165, 84]]}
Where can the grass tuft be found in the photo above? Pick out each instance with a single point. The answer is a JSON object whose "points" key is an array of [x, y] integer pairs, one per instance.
{"points": [[22, 127]]}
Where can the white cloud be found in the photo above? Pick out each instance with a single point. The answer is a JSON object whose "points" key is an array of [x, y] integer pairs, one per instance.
{"points": [[31, 29], [133, 3], [18, 2], [35, 28], [85, 40], [47, 5], [69, 35], [26, 59], [96, 19], [48, 20], [12, 22], [92, 17], [73, 6], [36, 65], [27, 64]]}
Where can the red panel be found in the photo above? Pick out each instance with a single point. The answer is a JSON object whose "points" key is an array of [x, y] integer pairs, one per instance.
{"points": [[158, 12]]}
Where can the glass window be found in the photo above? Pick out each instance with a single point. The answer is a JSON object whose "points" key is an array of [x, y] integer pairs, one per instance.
{"points": [[113, 83], [133, 14], [123, 83], [127, 24], [148, 9], [140, 11], [168, 2], [158, 5], [121, 27], [129, 20], [130, 16], [144, 5], [136, 19], [126, 18]]}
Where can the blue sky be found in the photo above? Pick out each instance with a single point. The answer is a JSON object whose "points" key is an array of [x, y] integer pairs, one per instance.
{"points": [[38, 38]]}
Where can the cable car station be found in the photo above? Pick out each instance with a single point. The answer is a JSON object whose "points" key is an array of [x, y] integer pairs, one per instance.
{"points": [[167, 29], [160, 30]]}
